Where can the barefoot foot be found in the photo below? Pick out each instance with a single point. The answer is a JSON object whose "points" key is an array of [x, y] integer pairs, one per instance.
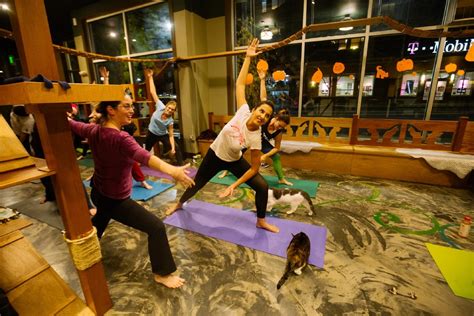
{"points": [[285, 182], [169, 280], [173, 208], [223, 174], [146, 185], [262, 223]]}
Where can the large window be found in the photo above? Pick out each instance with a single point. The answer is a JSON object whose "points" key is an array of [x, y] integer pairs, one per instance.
{"points": [[148, 35], [269, 20], [149, 28], [108, 36], [397, 77], [284, 93], [371, 84], [323, 11], [410, 12], [454, 94], [339, 63]]}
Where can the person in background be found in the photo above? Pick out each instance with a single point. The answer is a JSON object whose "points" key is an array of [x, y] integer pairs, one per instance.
{"points": [[160, 128], [137, 173]]}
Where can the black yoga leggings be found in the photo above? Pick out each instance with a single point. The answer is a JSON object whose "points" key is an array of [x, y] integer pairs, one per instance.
{"points": [[130, 213], [152, 139], [211, 165]]}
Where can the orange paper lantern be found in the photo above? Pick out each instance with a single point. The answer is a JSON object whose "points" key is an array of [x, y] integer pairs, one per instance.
{"points": [[262, 65], [404, 65], [460, 72], [351, 77], [414, 74], [470, 53], [450, 68], [249, 79], [338, 68], [317, 76], [279, 75]]}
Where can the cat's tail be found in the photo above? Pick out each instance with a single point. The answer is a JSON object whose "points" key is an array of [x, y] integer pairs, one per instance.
{"points": [[284, 277]]}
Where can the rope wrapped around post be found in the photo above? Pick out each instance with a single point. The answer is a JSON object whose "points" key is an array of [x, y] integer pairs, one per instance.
{"points": [[85, 251]]}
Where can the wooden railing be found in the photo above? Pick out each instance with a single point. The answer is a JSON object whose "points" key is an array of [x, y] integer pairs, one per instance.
{"points": [[438, 135]]}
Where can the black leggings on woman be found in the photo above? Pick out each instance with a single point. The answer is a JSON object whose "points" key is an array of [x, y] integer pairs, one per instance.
{"points": [[130, 213], [152, 139], [211, 165]]}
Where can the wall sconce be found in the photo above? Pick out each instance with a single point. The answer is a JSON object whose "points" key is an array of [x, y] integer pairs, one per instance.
{"points": [[347, 17], [266, 34]]}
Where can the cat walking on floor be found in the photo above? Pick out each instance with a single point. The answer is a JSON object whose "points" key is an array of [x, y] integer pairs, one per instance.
{"points": [[293, 197], [297, 256]]}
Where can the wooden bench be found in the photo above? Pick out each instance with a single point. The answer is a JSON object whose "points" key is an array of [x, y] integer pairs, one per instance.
{"points": [[367, 147]]}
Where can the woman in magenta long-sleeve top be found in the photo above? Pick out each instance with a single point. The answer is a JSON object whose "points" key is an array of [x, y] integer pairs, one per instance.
{"points": [[114, 153]]}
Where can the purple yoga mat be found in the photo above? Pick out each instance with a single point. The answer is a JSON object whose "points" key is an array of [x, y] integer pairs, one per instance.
{"points": [[152, 172], [238, 227]]}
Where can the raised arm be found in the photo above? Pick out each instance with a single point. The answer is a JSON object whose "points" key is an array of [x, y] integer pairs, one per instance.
{"points": [[151, 83], [240, 84], [104, 73], [263, 88]]}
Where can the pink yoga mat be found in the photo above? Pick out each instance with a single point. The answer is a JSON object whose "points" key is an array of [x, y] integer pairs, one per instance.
{"points": [[238, 227]]}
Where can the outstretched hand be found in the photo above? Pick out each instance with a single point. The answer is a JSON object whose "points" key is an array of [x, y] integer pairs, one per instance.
{"points": [[252, 49], [181, 175], [103, 72], [229, 191]]}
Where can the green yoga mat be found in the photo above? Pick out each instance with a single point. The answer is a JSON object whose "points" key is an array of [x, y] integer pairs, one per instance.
{"points": [[311, 187], [87, 162], [457, 267]]}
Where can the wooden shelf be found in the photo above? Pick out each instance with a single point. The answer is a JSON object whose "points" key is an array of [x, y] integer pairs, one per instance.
{"points": [[36, 93], [19, 176]]}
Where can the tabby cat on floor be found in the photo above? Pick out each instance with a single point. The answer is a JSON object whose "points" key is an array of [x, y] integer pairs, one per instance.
{"points": [[297, 256]]}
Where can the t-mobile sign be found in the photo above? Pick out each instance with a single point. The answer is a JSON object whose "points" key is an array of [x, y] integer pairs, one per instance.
{"points": [[452, 46]]}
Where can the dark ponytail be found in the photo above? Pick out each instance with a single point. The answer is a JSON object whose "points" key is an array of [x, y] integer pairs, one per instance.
{"points": [[283, 115]]}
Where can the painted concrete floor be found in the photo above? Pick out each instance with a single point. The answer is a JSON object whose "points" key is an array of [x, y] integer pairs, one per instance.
{"points": [[367, 252]]}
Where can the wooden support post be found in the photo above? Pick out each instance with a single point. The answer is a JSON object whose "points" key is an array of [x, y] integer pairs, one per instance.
{"points": [[354, 129], [210, 116], [459, 135], [33, 40]]}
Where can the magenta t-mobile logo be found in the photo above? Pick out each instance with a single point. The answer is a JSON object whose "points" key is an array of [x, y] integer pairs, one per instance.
{"points": [[413, 47]]}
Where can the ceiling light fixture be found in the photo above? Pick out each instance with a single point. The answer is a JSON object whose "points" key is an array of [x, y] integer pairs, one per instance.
{"points": [[347, 17], [266, 34]]}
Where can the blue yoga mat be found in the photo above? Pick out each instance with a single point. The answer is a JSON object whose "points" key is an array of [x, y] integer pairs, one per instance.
{"points": [[238, 227], [139, 193], [311, 187]]}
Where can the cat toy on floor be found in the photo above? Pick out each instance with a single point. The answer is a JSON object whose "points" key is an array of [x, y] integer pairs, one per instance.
{"points": [[297, 255]]}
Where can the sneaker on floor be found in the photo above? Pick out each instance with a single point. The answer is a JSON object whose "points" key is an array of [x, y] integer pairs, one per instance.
{"points": [[264, 165]]}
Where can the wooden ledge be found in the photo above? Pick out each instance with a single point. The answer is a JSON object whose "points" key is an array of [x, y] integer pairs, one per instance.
{"points": [[19, 176], [36, 93]]}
